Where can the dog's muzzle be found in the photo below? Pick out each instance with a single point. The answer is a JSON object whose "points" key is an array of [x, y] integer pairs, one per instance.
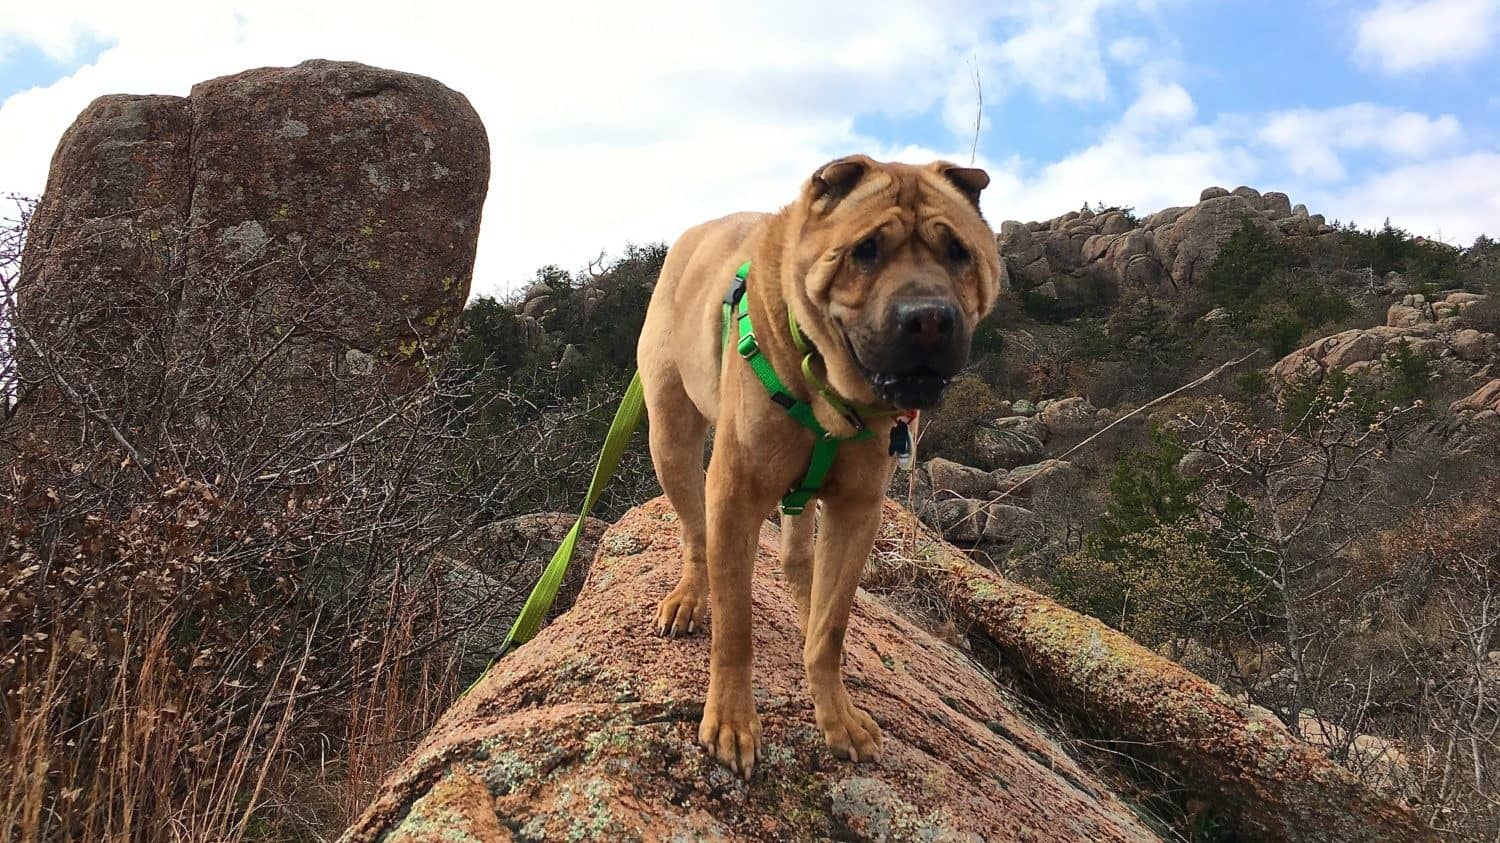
{"points": [[922, 345]]}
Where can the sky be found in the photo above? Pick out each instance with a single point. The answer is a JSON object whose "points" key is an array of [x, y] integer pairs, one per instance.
{"points": [[620, 122]]}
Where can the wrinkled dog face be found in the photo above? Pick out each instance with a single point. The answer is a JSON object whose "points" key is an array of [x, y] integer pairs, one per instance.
{"points": [[897, 268]]}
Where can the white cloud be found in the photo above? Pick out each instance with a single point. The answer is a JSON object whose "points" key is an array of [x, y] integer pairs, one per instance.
{"points": [[1454, 198], [1311, 139], [1129, 50], [1160, 104], [1058, 54], [1400, 36], [1154, 156], [615, 122], [607, 122]]}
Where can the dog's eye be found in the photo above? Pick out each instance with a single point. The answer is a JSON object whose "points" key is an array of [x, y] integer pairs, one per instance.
{"points": [[956, 251], [866, 251]]}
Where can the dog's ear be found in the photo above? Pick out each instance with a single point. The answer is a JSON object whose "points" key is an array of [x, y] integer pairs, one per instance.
{"points": [[835, 179], [970, 181]]}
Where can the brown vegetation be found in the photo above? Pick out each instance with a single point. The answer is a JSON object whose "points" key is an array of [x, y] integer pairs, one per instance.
{"points": [[223, 607]]}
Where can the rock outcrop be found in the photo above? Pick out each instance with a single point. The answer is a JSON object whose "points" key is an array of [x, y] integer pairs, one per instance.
{"points": [[588, 731], [1482, 405], [987, 503], [1086, 256], [1431, 329], [1478, 419], [341, 202]]}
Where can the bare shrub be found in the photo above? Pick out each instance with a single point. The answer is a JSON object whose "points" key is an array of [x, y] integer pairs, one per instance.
{"points": [[226, 598]]}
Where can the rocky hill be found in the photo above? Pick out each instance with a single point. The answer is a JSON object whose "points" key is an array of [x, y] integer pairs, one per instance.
{"points": [[587, 732], [1070, 257]]}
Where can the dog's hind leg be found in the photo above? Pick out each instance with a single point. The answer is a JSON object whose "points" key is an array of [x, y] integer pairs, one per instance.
{"points": [[677, 433], [797, 532], [839, 558]]}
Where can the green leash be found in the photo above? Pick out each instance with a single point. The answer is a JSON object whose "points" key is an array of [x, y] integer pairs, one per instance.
{"points": [[628, 418]]}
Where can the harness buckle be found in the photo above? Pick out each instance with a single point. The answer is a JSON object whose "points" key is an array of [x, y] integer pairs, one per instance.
{"points": [[746, 344]]}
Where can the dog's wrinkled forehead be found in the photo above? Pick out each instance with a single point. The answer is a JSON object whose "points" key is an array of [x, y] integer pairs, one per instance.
{"points": [[852, 200], [854, 180]]}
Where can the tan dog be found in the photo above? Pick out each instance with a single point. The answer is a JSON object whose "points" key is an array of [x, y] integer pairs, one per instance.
{"points": [[887, 269]]}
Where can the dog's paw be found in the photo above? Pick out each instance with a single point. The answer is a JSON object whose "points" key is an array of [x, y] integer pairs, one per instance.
{"points": [[682, 612], [849, 731], [731, 734]]}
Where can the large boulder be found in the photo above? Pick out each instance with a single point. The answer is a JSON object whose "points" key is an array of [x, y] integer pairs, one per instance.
{"points": [[588, 732], [1069, 417], [1278, 205], [945, 475], [377, 177], [1007, 448], [1473, 346], [327, 207], [1044, 479], [1189, 244]]}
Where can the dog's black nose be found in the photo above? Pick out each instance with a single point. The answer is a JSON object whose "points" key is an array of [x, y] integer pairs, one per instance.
{"points": [[927, 321]]}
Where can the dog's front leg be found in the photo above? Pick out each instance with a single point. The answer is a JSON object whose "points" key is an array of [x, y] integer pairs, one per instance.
{"points": [[730, 730], [842, 547]]}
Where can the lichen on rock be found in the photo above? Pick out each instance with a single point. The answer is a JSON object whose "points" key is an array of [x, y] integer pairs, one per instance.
{"points": [[589, 732]]}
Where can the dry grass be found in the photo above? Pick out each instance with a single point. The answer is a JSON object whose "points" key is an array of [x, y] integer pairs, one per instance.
{"points": [[125, 749]]}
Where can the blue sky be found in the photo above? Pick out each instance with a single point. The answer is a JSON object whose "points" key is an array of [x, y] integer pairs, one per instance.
{"points": [[627, 122]]}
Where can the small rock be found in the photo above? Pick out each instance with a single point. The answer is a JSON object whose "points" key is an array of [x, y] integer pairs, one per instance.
{"points": [[1027, 425], [1215, 316], [1195, 463], [1473, 346], [1409, 311], [1005, 448], [1068, 416], [360, 363], [963, 480]]}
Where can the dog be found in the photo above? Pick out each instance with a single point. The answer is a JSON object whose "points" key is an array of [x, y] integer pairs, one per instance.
{"points": [[887, 269]]}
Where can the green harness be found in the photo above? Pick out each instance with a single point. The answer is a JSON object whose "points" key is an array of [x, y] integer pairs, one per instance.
{"points": [[825, 444]]}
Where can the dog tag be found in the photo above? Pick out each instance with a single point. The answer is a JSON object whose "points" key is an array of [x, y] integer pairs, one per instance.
{"points": [[901, 443]]}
